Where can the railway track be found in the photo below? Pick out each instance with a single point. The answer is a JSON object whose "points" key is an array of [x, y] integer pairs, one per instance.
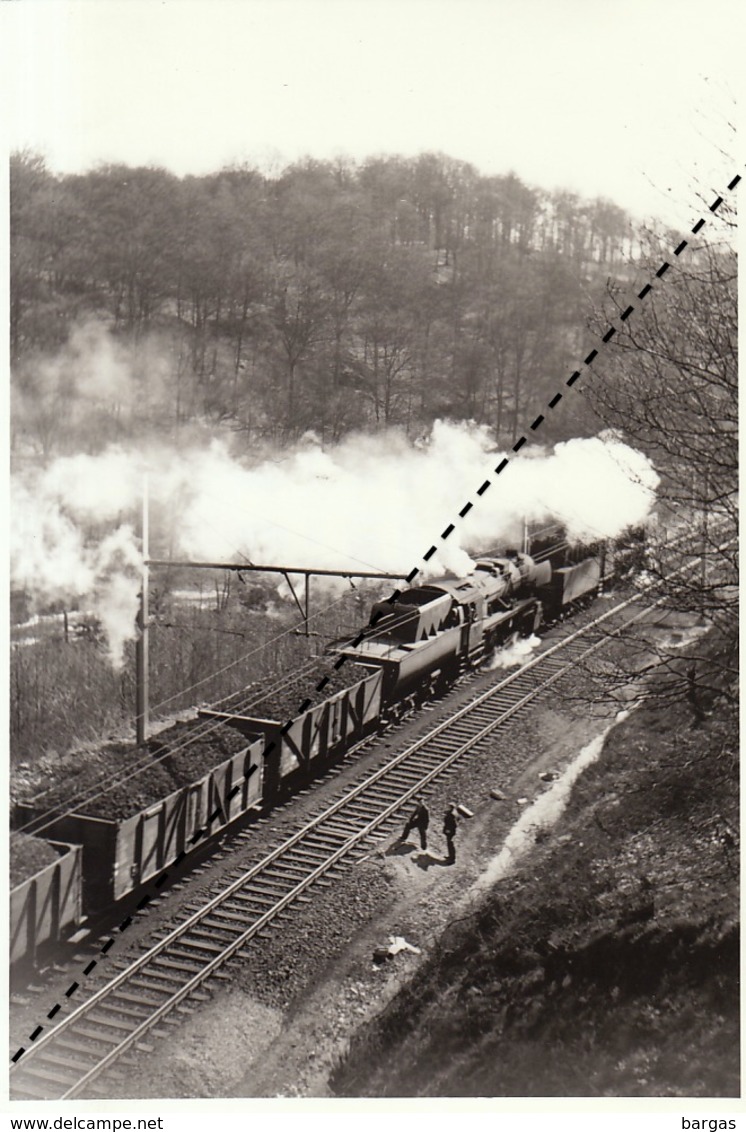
{"points": [[78, 1055]]}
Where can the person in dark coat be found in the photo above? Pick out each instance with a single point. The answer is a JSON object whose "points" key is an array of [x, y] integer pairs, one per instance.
{"points": [[450, 822], [419, 819]]}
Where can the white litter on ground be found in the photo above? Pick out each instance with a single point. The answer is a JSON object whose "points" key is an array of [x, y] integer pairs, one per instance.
{"points": [[398, 943]]}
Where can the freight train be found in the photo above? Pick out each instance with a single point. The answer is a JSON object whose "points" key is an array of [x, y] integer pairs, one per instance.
{"points": [[415, 647]]}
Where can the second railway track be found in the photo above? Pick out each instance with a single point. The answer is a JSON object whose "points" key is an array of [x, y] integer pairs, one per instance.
{"points": [[75, 1057]]}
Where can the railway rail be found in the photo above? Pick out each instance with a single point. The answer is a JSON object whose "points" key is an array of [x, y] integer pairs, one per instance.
{"points": [[76, 1057]]}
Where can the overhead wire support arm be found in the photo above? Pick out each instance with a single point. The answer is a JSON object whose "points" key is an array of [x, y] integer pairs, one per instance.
{"points": [[257, 568], [304, 614], [244, 567]]}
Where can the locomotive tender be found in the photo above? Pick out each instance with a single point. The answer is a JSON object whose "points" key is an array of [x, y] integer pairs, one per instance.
{"points": [[415, 647]]}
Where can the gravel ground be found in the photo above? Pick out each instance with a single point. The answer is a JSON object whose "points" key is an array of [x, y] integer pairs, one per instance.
{"points": [[306, 985]]}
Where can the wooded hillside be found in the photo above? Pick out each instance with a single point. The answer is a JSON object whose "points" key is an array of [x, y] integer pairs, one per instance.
{"points": [[329, 297]]}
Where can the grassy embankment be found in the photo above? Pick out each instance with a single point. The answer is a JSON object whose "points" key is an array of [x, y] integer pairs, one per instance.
{"points": [[607, 965]]}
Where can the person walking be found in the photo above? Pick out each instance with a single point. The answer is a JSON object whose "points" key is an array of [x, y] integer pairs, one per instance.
{"points": [[419, 819], [450, 823]]}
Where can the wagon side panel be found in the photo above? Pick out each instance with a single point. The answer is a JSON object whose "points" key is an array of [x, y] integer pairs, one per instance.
{"points": [[47, 905]]}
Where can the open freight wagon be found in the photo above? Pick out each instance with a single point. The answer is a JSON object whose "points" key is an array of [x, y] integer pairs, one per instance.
{"points": [[47, 906], [120, 856], [314, 737]]}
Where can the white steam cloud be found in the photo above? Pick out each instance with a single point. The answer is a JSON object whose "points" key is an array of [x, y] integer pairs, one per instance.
{"points": [[370, 503], [377, 502]]}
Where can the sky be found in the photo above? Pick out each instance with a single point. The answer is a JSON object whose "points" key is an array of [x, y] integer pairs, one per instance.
{"points": [[625, 100]]}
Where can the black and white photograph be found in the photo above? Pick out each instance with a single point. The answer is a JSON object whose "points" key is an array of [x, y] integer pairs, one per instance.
{"points": [[372, 680]]}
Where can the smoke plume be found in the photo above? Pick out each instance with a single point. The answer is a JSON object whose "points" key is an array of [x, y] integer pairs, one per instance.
{"points": [[369, 503]]}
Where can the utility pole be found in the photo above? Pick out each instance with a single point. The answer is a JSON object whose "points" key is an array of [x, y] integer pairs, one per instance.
{"points": [[141, 645]]}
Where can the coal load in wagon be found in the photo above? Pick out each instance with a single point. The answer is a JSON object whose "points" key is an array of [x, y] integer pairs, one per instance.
{"points": [[282, 702], [28, 856], [188, 751], [120, 779], [114, 782]]}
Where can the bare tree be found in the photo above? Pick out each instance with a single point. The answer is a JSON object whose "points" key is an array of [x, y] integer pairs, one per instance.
{"points": [[668, 384]]}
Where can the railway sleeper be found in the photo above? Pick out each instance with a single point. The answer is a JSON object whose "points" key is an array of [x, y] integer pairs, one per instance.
{"points": [[362, 807], [160, 974], [199, 994], [185, 1008], [237, 917], [255, 910], [264, 886], [288, 870], [168, 1019], [27, 1089], [204, 952], [137, 1009], [300, 848], [345, 819], [151, 978], [447, 743], [83, 1030], [404, 779], [110, 1022], [334, 834], [213, 938], [247, 919], [428, 759], [258, 914], [41, 1072], [53, 1057], [404, 786], [254, 903], [380, 797], [333, 873], [247, 904], [507, 699], [309, 855], [125, 994], [209, 925], [341, 835], [179, 964], [154, 982], [68, 1041]]}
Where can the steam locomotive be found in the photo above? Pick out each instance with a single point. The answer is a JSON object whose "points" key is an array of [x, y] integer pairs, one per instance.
{"points": [[431, 632]]}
